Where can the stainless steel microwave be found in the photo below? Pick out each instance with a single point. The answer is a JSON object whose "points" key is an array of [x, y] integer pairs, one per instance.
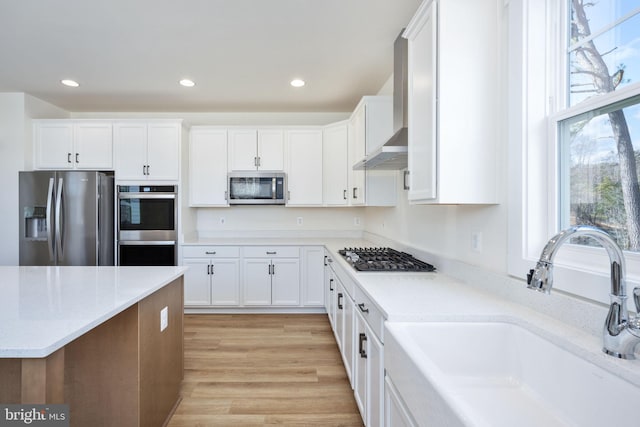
{"points": [[257, 188]]}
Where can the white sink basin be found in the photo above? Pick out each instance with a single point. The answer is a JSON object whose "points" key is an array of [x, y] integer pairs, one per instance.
{"points": [[500, 374]]}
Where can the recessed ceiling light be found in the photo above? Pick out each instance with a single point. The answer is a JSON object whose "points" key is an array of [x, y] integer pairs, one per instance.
{"points": [[297, 83], [187, 83], [70, 83]]}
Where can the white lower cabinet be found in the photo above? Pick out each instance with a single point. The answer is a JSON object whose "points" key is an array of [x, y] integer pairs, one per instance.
{"points": [[396, 414], [312, 276], [358, 326], [271, 275], [213, 277]]}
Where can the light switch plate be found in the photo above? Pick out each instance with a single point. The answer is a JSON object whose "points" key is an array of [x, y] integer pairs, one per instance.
{"points": [[164, 318]]}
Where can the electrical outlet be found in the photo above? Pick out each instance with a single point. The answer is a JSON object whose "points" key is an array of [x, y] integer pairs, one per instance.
{"points": [[356, 221], [476, 241], [222, 220], [164, 318], [299, 220]]}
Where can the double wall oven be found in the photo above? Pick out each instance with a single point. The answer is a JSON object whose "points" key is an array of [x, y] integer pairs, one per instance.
{"points": [[147, 224]]}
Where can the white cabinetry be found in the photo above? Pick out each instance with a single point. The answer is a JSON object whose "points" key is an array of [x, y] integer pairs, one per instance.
{"points": [[251, 149], [213, 277], [370, 126], [312, 276], [147, 150], [271, 275], [452, 103], [207, 167], [304, 167], [335, 164], [395, 411], [73, 144]]}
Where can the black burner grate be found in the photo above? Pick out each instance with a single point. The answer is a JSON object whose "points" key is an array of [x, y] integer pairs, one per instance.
{"points": [[384, 259]]}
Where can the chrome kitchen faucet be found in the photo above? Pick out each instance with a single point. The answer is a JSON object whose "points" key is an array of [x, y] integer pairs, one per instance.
{"points": [[621, 333]]}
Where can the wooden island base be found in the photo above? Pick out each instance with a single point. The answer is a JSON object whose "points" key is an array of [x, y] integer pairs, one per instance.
{"points": [[124, 372]]}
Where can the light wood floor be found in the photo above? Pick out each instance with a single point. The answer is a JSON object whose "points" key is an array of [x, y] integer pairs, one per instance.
{"points": [[255, 370]]}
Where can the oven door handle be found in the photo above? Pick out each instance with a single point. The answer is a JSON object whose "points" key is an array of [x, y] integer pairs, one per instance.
{"points": [[145, 196]]}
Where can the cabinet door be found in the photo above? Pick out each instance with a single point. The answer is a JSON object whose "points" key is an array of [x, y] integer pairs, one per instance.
{"points": [[130, 149], [304, 167], [395, 412], [93, 144], [335, 151], [347, 340], [197, 282], [421, 104], [285, 281], [331, 298], [208, 167], [271, 149], [375, 380], [243, 149], [225, 282], [53, 145], [340, 295], [356, 153], [257, 281], [360, 365], [312, 276], [163, 151]]}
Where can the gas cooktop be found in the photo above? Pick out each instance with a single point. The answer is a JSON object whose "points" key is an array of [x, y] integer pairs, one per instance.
{"points": [[384, 259]]}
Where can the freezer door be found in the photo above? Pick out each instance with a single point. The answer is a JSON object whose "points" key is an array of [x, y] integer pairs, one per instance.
{"points": [[36, 203], [76, 218]]}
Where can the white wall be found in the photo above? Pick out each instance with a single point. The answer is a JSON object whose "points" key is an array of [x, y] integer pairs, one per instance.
{"points": [[16, 112], [278, 218]]}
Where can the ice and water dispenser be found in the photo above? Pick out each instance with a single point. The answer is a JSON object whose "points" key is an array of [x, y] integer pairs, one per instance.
{"points": [[35, 221]]}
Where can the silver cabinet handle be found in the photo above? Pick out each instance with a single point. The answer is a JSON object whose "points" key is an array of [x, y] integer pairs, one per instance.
{"points": [[362, 308]]}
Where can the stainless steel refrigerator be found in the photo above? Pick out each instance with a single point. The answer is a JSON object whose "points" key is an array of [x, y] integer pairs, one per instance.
{"points": [[66, 218]]}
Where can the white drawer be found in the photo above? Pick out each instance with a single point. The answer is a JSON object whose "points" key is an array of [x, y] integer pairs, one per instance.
{"points": [[371, 313], [271, 251], [210, 252]]}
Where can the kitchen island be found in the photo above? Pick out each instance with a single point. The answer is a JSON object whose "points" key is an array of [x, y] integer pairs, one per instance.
{"points": [[107, 341]]}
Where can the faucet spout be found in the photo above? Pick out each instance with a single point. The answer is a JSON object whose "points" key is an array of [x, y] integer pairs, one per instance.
{"points": [[621, 334]]}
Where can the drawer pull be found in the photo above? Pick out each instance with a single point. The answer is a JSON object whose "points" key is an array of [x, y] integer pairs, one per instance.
{"points": [[210, 252], [331, 285], [272, 253], [362, 309], [361, 340], [340, 301]]}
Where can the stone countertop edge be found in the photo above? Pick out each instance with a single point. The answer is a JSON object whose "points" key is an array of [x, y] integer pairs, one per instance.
{"points": [[37, 351]]}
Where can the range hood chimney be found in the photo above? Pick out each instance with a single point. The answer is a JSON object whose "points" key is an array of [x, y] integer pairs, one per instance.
{"points": [[392, 155]]}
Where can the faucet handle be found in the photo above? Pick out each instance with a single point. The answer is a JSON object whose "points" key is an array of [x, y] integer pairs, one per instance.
{"points": [[530, 276]]}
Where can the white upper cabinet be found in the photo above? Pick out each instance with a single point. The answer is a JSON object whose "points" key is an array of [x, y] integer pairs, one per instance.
{"points": [[73, 144], [453, 102], [335, 167], [147, 150], [256, 149], [370, 126], [304, 167], [207, 167]]}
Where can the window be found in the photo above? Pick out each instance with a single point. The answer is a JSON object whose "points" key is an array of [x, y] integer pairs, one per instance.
{"points": [[574, 82], [598, 148]]}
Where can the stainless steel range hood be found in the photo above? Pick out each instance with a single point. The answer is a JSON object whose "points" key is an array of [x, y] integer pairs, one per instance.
{"points": [[392, 155]]}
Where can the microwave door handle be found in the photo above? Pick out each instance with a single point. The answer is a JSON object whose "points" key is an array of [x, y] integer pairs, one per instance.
{"points": [[60, 219], [50, 202], [273, 188]]}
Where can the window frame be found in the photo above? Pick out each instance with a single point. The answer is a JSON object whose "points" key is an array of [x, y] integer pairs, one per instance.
{"points": [[537, 39]]}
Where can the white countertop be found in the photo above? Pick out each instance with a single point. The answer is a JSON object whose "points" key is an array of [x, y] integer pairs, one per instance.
{"points": [[44, 308]]}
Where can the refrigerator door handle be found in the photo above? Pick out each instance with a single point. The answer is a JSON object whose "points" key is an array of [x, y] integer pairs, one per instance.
{"points": [[49, 213], [60, 219]]}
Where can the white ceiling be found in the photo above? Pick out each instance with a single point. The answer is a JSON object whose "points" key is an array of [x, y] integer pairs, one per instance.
{"points": [[128, 55]]}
